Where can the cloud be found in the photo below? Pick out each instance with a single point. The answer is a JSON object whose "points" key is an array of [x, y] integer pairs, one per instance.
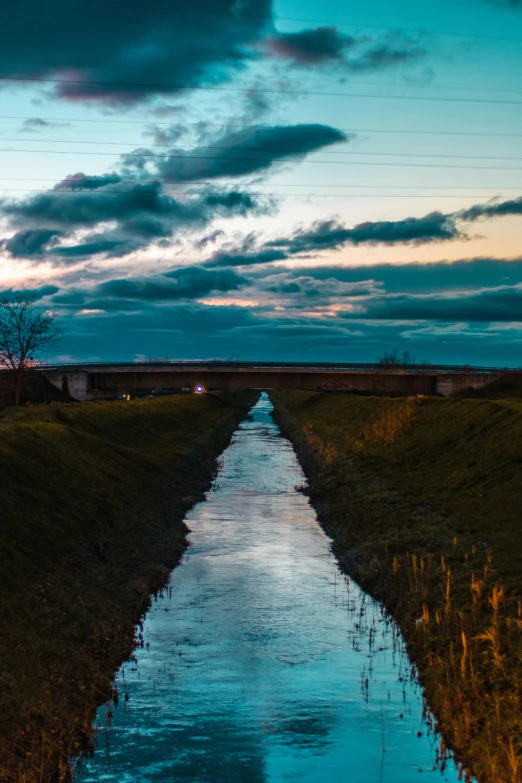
{"points": [[417, 278], [81, 181], [119, 212], [324, 235], [190, 329], [161, 134], [492, 210], [326, 45], [235, 153], [37, 293], [27, 244], [474, 290], [303, 288], [331, 234], [112, 216], [185, 283], [309, 47], [37, 125], [209, 239], [500, 304], [105, 54], [124, 212], [325, 312], [139, 294]]}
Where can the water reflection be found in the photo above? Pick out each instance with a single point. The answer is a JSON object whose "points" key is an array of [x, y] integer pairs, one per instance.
{"points": [[261, 662]]}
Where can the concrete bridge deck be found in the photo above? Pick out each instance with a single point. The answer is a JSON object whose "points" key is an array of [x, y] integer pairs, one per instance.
{"points": [[107, 380]]}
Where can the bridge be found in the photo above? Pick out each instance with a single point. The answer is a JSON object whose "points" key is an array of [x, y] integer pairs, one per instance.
{"points": [[107, 380]]}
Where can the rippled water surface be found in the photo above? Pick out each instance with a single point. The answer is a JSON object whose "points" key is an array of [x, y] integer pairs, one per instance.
{"points": [[261, 663]]}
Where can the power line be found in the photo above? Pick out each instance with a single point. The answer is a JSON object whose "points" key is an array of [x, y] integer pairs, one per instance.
{"points": [[261, 127], [72, 192], [264, 149], [176, 87], [330, 22], [279, 184], [351, 82], [153, 156]]}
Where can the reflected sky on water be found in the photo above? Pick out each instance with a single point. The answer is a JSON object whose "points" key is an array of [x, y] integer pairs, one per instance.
{"points": [[261, 662]]}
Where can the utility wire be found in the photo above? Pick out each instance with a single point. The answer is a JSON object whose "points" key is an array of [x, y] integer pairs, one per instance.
{"points": [[154, 156], [350, 81], [261, 127], [176, 87], [263, 149], [279, 184], [97, 193], [340, 23]]}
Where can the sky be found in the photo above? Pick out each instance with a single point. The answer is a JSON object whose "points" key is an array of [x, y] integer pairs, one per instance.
{"points": [[258, 180]]}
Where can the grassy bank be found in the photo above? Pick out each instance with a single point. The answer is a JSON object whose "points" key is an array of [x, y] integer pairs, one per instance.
{"points": [[93, 498], [423, 500]]}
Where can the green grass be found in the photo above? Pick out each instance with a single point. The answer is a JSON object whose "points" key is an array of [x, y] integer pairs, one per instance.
{"points": [[423, 499], [93, 498]]}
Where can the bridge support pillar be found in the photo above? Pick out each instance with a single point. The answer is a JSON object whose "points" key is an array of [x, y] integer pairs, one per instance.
{"points": [[77, 382], [450, 384]]}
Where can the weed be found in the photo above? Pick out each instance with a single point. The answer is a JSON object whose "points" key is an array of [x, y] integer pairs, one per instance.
{"points": [[93, 498], [449, 547]]}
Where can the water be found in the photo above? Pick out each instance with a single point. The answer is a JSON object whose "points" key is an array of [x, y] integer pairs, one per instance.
{"points": [[261, 662]]}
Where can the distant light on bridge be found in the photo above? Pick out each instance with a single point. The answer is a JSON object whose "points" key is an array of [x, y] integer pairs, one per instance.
{"points": [[199, 389]]}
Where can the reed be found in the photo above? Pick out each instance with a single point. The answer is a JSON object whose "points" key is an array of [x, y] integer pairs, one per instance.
{"points": [[421, 499]]}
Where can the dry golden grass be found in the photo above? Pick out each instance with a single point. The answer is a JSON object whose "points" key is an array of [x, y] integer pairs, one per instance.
{"points": [[422, 498]]}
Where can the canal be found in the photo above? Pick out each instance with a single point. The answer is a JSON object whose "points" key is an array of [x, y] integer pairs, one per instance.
{"points": [[261, 662]]}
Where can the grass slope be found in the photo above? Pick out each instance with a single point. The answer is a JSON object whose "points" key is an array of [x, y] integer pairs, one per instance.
{"points": [[423, 500], [93, 498]]}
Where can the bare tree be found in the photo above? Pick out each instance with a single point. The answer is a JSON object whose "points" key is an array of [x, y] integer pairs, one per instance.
{"points": [[24, 333], [394, 357]]}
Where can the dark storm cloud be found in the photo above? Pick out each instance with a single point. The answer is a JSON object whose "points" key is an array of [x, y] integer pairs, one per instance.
{"points": [[300, 286], [36, 293], [263, 256], [236, 153], [98, 243], [331, 235], [433, 277], [119, 217], [81, 181], [493, 209], [328, 234], [124, 213], [323, 45], [187, 283], [309, 47], [111, 48], [501, 304], [192, 330], [145, 292], [27, 244], [79, 209], [165, 310]]}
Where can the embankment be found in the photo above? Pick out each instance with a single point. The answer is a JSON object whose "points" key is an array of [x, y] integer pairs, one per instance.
{"points": [[423, 500], [93, 500]]}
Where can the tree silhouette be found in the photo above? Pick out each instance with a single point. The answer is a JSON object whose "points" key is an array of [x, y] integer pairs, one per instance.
{"points": [[394, 357], [25, 332]]}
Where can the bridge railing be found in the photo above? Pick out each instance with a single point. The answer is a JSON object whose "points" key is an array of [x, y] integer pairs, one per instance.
{"points": [[304, 366]]}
